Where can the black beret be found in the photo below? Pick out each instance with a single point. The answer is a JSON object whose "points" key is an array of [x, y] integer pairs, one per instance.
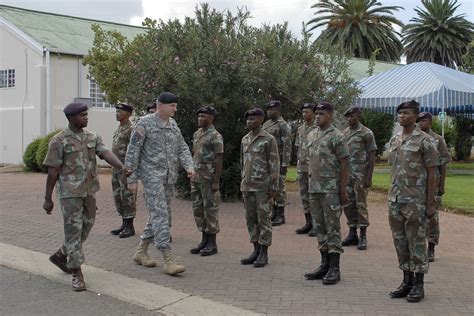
{"points": [[324, 106], [409, 105], [151, 106], [167, 98], [424, 115], [254, 112], [310, 106], [208, 109], [273, 104], [124, 107], [74, 108], [352, 110]]}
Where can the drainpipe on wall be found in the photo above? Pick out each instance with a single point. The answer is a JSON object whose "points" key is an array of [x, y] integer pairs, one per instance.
{"points": [[48, 91]]}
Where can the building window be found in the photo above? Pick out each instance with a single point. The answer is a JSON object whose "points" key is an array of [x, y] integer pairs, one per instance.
{"points": [[97, 96], [7, 78]]}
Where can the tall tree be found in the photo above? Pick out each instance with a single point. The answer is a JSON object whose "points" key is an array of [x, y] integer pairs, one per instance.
{"points": [[437, 34], [360, 27]]}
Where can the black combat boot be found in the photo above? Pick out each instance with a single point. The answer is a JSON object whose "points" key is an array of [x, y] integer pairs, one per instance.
{"points": [[262, 259], [334, 274], [351, 239], [405, 287], [307, 226], [118, 230], [312, 232], [280, 217], [273, 212], [196, 250], [253, 256], [320, 271], [211, 247], [60, 260], [362, 239], [128, 230], [431, 252], [417, 292]]}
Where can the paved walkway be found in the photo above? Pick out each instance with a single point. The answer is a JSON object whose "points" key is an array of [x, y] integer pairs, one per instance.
{"points": [[278, 289]]}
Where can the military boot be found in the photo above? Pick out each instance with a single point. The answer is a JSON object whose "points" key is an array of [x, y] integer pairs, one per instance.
{"points": [[362, 239], [200, 246], [405, 287], [307, 226], [280, 217], [417, 292], [312, 232], [118, 230], [128, 230], [211, 246], [351, 239], [78, 283], [320, 271], [431, 252], [253, 256], [171, 266], [60, 260], [141, 254], [334, 274], [262, 259]]}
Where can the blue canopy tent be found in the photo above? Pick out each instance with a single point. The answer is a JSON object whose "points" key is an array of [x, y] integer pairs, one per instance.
{"points": [[435, 87]]}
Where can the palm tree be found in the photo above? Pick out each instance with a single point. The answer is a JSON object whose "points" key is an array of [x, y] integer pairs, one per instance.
{"points": [[360, 26], [437, 34]]}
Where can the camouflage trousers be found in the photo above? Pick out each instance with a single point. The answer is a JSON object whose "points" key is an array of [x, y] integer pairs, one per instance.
{"points": [[357, 212], [408, 224], [79, 217], [280, 198], [303, 183], [433, 230], [257, 214], [158, 195], [326, 212], [205, 207], [125, 200]]}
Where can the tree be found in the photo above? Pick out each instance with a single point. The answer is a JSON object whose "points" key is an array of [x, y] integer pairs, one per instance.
{"points": [[360, 26], [437, 34]]}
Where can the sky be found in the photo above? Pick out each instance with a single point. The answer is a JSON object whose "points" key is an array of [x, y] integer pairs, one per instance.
{"points": [[295, 12]]}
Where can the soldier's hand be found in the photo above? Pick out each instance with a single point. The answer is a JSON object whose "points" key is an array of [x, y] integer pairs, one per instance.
{"points": [[126, 171], [191, 173], [271, 194], [441, 190], [48, 206], [430, 210], [283, 170], [343, 197], [215, 187], [133, 186], [368, 182]]}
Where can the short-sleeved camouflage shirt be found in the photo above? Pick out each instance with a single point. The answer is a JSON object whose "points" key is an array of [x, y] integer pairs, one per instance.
{"points": [[361, 142], [282, 133], [409, 159], [301, 145], [75, 154], [121, 139], [325, 149], [444, 157], [206, 145]]}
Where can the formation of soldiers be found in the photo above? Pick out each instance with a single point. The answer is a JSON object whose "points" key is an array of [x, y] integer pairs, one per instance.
{"points": [[334, 173]]}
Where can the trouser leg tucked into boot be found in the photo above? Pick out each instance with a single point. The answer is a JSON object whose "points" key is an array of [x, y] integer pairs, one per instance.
{"points": [[405, 287], [141, 255], [417, 292], [201, 245], [262, 259], [334, 274], [280, 217], [351, 239], [78, 283], [320, 271], [128, 230], [362, 239], [171, 266], [307, 226], [211, 246], [253, 256], [60, 260], [431, 252], [118, 230]]}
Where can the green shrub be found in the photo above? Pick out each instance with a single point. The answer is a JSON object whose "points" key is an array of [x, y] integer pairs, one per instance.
{"points": [[464, 133], [43, 150], [381, 125], [29, 157]]}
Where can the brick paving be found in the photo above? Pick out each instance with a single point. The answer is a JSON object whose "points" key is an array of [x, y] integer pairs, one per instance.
{"points": [[278, 289]]}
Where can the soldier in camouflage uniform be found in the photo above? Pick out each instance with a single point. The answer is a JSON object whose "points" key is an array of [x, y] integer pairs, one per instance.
{"points": [[302, 164], [362, 150], [125, 200], [260, 167], [328, 179], [208, 150], [413, 158], [71, 159], [279, 128], [156, 146], [424, 120]]}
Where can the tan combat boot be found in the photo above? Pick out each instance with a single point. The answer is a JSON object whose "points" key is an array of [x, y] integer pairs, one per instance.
{"points": [[171, 267], [141, 256]]}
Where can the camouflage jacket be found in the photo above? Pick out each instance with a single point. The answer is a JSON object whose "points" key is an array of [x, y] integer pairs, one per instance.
{"points": [[325, 148], [409, 159], [259, 162], [75, 154], [154, 150], [361, 142], [121, 139], [206, 145], [301, 145], [282, 133]]}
